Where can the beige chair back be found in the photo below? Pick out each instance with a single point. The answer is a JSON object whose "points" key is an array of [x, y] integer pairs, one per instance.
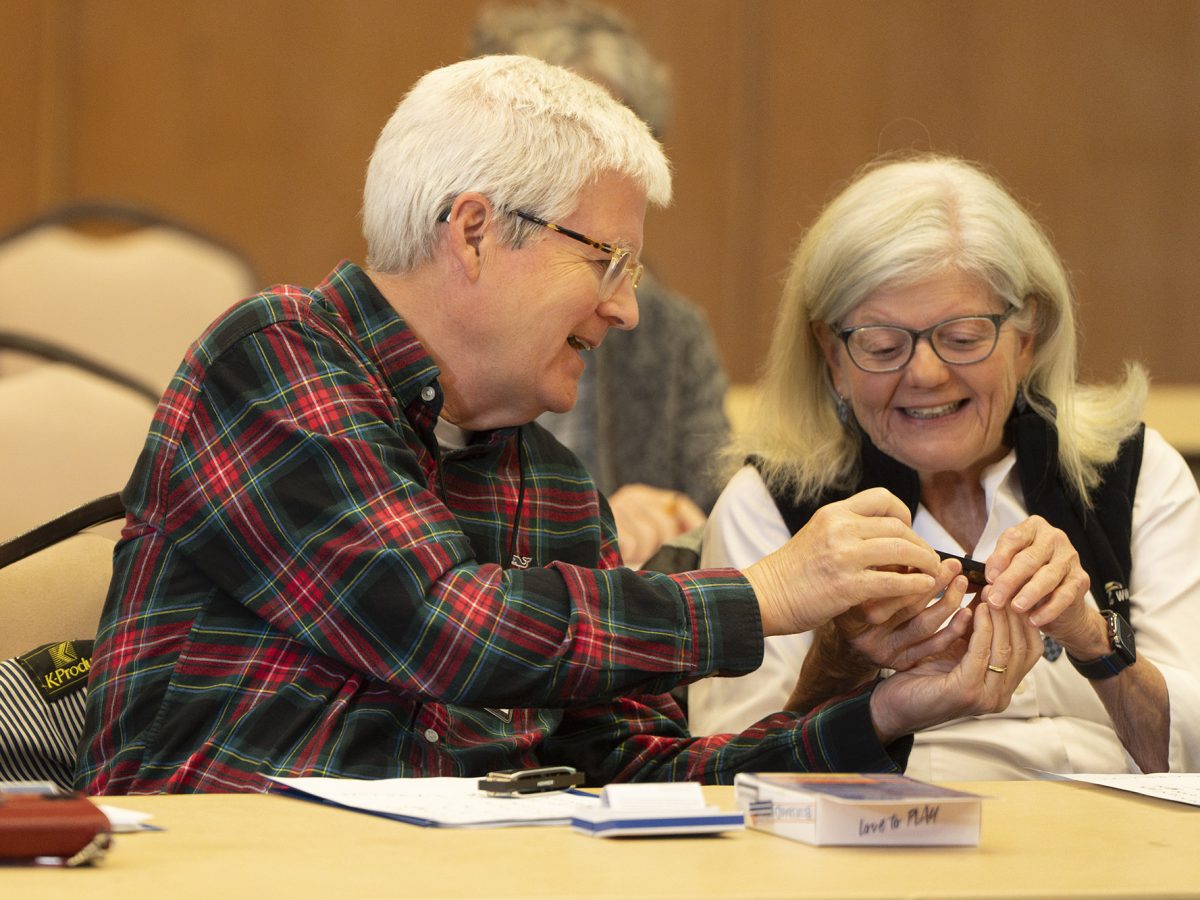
{"points": [[134, 301], [65, 438], [56, 594]]}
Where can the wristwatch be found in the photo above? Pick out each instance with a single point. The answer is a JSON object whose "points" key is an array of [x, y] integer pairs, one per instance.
{"points": [[1120, 639]]}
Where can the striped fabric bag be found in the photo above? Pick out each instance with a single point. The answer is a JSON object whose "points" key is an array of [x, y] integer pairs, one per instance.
{"points": [[42, 696]]}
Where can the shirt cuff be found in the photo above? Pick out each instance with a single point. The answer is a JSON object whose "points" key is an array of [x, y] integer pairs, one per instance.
{"points": [[729, 634], [842, 738]]}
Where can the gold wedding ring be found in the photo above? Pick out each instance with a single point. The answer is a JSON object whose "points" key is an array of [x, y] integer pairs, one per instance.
{"points": [[997, 669]]}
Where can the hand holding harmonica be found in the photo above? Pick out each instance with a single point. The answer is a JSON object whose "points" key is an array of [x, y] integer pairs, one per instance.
{"points": [[973, 569]]}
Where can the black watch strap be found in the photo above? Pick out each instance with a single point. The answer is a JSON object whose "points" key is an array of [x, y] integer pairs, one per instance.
{"points": [[1120, 639]]}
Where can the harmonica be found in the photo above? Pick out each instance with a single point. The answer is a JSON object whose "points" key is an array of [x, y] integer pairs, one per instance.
{"points": [[972, 568]]}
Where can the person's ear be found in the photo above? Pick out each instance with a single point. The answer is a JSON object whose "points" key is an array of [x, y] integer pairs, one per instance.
{"points": [[830, 347], [467, 234]]}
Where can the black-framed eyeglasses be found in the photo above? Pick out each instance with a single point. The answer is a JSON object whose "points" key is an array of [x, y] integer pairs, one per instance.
{"points": [[620, 263], [957, 342]]}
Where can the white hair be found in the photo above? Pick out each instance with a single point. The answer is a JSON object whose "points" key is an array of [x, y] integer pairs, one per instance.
{"points": [[525, 134], [588, 38], [898, 223]]}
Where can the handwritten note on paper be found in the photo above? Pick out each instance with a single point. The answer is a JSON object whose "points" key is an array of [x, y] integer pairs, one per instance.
{"points": [[1165, 786], [441, 802]]}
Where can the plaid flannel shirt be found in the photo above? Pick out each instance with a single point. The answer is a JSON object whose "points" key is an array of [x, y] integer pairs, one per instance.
{"points": [[307, 585]]}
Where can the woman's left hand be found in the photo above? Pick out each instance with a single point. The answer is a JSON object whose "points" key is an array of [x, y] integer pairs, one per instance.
{"points": [[1036, 573], [1036, 570]]}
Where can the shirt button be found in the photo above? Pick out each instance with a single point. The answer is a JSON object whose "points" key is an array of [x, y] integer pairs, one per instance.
{"points": [[428, 393], [431, 735]]}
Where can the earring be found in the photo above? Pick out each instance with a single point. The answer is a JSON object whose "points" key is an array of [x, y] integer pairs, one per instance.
{"points": [[1022, 403], [843, 410]]}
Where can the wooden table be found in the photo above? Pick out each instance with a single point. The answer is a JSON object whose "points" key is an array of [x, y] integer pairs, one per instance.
{"points": [[1040, 839]]}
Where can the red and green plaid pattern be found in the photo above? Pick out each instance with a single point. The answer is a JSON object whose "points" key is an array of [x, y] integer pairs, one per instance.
{"points": [[307, 586]]}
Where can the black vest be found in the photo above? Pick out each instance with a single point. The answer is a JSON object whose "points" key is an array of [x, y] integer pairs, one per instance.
{"points": [[1101, 535]]}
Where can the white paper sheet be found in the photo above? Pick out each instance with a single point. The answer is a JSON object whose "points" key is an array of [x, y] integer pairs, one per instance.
{"points": [[1181, 788], [442, 802], [126, 821]]}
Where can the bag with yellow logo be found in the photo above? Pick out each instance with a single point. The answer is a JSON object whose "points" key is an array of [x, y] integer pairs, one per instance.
{"points": [[42, 696]]}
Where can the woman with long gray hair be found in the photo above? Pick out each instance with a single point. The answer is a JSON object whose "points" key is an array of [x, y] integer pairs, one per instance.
{"points": [[927, 343]]}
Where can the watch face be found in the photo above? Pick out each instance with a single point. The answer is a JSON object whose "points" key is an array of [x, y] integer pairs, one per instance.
{"points": [[1120, 639], [1121, 635]]}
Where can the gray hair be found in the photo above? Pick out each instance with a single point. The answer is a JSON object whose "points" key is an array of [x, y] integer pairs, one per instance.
{"points": [[593, 40], [526, 134], [900, 222]]}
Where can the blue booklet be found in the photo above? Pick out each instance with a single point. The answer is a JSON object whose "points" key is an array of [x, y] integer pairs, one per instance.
{"points": [[636, 810]]}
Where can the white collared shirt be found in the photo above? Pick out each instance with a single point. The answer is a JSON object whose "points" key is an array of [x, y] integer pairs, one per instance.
{"points": [[1055, 721]]}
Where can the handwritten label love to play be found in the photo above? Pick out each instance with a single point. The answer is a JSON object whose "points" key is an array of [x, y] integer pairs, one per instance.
{"points": [[859, 809]]}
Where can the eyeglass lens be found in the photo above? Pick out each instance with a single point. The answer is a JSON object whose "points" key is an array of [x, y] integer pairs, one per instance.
{"points": [[881, 348], [613, 274], [620, 266]]}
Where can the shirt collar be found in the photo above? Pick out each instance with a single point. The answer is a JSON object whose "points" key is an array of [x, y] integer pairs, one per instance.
{"points": [[379, 331], [394, 349]]}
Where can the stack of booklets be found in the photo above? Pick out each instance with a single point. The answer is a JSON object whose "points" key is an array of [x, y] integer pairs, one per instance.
{"points": [[859, 810], [638, 810]]}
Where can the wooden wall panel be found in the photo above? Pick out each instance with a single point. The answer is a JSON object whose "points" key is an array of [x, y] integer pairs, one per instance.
{"points": [[1086, 109], [253, 119], [703, 244], [25, 91]]}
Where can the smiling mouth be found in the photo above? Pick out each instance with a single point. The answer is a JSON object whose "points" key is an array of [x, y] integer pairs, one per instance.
{"points": [[578, 344], [933, 412]]}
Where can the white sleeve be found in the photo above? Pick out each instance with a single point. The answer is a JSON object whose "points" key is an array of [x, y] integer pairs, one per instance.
{"points": [[745, 526], [1165, 588]]}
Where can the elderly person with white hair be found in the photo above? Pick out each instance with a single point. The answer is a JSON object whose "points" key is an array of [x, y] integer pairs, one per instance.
{"points": [[927, 344], [350, 553]]}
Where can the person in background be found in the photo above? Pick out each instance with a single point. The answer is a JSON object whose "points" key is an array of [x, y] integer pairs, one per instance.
{"points": [[927, 343], [650, 417], [351, 552]]}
